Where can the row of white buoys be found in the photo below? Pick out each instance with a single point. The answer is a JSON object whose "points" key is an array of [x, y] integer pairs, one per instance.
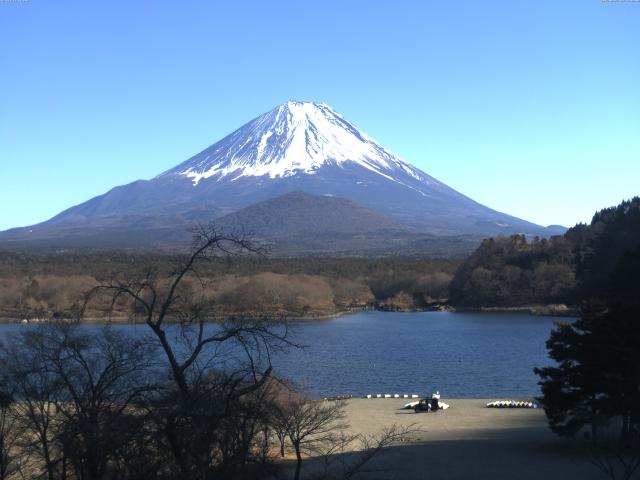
{"points": [[395, 395], [511, 404]]}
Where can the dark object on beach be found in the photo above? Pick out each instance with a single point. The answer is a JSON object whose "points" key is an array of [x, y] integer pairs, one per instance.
{"points": [[427, 405]]}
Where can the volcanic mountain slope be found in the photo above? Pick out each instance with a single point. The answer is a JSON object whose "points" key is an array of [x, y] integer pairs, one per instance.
{"points": [[299, 223], [298, 146], [303, 214]]}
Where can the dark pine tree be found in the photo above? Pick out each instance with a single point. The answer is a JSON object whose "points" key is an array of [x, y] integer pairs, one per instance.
{"points": [[597, 376], [573, 392]]}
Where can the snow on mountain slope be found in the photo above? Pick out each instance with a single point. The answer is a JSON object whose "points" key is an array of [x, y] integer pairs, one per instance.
{"points": [[295, 138]]}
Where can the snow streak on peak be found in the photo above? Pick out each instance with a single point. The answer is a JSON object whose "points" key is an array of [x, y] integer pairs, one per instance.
{"points": [[294, 138]]}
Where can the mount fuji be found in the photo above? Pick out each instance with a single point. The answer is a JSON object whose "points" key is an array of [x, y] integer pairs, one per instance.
{"points": [[296, 147]]}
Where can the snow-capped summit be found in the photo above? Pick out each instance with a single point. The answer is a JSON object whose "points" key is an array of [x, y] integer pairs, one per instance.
{"points": [[294, 138]]}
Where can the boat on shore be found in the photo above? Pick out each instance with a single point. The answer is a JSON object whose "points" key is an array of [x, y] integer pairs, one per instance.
{"points": [[413, 405]]}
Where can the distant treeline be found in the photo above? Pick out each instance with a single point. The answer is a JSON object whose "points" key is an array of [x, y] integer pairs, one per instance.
{"points": [[511, 272], [45, 285]]}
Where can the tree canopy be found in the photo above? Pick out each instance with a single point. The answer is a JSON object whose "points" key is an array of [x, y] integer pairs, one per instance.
{"points": [[517, 271]]}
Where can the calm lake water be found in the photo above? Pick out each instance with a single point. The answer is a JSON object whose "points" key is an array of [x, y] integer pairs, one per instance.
{"points": [[463, 355]]}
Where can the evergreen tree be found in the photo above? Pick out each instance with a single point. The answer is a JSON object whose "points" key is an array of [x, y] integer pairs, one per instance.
{"points": [[597, 376], [573, 392]]}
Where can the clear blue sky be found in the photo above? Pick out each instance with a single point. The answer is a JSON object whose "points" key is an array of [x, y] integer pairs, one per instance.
{"points": [[530, 107]]}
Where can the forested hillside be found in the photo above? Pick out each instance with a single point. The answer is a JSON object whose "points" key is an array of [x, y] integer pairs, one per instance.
{"points": [[511, 272], [42, 285], [507, 272]]}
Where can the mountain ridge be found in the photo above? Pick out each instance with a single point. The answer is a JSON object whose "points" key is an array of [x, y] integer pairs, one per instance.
{"points": [[300, 213], [297, 146]]}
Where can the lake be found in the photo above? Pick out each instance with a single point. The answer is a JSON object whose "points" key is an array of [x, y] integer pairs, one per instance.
{"points": [[464, 355]]}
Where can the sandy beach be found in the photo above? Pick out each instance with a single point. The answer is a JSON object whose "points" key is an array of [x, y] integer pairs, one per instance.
{"points": [[469, 441]]}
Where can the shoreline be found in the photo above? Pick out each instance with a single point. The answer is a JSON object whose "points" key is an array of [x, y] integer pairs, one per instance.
{"points": [[535, 310], [559, 310], [214, 319]]}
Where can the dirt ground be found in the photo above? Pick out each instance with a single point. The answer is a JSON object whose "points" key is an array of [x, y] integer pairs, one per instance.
{"points": [[470, 441]]}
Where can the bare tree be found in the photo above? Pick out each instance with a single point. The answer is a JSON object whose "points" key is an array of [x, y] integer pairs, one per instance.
{"points": [[37, 389], [279, 397], [309, 425], [102, 378], [76, 392], [212, 365], [8, 430]]}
